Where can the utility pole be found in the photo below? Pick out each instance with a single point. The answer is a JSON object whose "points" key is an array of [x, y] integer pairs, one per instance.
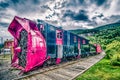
{"points": [[1, 43], [2, 40]]}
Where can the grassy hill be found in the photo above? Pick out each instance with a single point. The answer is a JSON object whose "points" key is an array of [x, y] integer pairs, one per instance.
{"points": [[108, 68], [108, 26], [97, 29]]}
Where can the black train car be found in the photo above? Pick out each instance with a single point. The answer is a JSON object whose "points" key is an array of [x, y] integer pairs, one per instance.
{"points": [[62, 44]]}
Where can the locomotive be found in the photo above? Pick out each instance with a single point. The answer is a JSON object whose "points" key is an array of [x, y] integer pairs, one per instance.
{"points": [[40, 43]]}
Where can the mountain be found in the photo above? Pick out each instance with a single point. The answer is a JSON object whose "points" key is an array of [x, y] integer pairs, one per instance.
{"points": [[97, 29], [108, 26]]}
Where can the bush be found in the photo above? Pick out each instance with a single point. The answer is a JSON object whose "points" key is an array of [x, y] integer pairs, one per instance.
{"points": [[108, 54], [115, 61], [112, 49]]}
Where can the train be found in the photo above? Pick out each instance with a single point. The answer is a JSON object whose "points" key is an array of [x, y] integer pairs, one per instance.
{"points": [[41, 44]]}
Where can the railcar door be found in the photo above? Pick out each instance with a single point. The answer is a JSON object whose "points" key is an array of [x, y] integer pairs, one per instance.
{"points": [[59, 43], [79, 49]]}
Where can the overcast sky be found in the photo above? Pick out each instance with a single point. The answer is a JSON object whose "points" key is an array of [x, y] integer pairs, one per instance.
{"points": [[70, 14]]}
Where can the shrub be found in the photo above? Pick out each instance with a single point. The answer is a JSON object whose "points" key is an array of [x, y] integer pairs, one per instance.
{"points": [[112, 49], [109, 54], [115, 61]]}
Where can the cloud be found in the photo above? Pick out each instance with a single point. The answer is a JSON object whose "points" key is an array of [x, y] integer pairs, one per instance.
{"points": [[112, 19], [4, 5], [70, 14], [99, 2], [80, 16], [3, 24], [5, 34]]}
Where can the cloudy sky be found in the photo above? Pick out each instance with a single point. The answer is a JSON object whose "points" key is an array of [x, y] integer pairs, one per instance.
{"points": [[70, 14]]}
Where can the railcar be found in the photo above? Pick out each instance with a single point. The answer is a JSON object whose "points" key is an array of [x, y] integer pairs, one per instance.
{"points": [[40, 43]]}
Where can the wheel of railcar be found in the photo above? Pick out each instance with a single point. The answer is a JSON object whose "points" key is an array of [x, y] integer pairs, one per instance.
{"points": [[46, 63]]}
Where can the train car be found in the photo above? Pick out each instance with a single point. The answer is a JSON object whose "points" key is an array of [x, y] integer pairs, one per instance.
{"points": [[61, 44], [39, 43]]}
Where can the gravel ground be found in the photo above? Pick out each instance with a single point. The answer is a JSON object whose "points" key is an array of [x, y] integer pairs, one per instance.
{"points": [[5, 72], [63, 73]]}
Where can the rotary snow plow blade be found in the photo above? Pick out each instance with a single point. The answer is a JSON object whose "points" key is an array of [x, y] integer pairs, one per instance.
{"points": [[29, 44]]}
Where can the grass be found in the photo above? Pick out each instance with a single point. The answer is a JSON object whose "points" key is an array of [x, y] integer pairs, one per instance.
{"points": [[109, 67], [101, 71], [5, 57]]}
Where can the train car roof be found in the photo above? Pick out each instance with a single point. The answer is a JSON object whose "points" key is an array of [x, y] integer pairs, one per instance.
{"points": [[60, 28]]}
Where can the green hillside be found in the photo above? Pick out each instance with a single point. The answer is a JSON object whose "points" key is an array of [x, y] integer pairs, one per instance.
{"points": [[108, 26], [108, 68], [110, 41], [97, 29]]}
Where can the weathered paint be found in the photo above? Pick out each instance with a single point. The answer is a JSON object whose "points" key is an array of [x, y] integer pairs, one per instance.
{"points": [[59, 37], [79, 50], [83, 41], [59, 42], [36, 45], [98, 48], [78, 43], [58, 60]]}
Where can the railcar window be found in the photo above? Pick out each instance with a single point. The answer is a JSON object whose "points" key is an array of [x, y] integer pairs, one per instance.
{"points": [[74, 38], [41, 27], [59, 35], [83, 42]]}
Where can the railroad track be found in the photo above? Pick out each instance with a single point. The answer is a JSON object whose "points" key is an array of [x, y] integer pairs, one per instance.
{"points": [[64, 71]]}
